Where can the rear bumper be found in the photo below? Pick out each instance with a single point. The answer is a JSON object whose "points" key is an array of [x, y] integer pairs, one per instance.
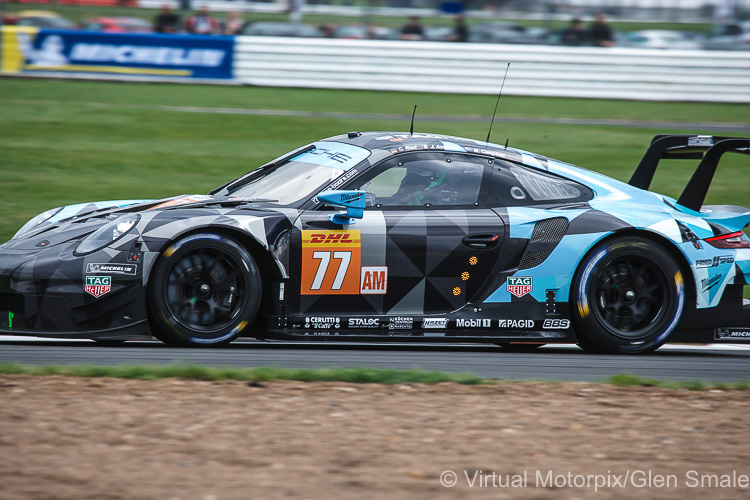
{"points": [[727, 323]]}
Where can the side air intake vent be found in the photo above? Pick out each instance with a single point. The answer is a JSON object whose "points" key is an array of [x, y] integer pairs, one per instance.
{"points": [[545, 237]]}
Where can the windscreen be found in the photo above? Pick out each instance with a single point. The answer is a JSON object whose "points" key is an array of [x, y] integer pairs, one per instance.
{"points": [[302, 175]]}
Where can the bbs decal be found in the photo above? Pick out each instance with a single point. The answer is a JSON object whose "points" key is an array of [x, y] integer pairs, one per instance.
{"points": [[556, 324]]}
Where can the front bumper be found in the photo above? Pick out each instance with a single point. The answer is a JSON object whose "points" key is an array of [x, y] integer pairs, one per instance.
{"points": [[48, 292]]}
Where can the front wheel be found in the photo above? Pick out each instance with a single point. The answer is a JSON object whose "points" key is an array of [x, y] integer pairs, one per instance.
{"points": [[204, 291], [627, 297]]}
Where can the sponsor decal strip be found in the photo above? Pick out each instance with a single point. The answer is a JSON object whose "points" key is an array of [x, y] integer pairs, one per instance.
{"points": [[98, 285], [520, 285], [111, 268], [113, 69], [732, 333]]}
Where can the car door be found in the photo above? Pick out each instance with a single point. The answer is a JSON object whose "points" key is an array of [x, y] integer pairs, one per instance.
{"points": [[425, 245]]}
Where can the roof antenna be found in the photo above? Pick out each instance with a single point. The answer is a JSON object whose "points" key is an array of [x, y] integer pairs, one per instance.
{"points": [[496, 103], [411, 129]]}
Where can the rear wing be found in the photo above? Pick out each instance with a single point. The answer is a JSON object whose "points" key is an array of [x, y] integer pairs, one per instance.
{"points": [[706, 148]]}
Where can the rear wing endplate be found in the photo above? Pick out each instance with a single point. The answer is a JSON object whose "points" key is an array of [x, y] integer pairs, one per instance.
{"points": [[706, 148]]}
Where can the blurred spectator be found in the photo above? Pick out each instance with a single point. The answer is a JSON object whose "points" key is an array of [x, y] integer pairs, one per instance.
{"points": [[202, 23], [327, 30], [374, 32], [574, 34], [167, 21], [601, 33], [724, 12], [412, 30], [9, 19], [234, 23], [460, 30]]}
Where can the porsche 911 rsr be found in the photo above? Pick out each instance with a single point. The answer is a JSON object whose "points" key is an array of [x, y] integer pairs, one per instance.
{"points": [[387, 236]]}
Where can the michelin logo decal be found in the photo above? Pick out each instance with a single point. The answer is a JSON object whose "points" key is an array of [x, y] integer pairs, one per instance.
{"points": [[195, 56], [161, 56]]}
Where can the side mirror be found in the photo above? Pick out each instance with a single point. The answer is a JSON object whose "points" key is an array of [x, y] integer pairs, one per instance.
{"points": [[353, 201]]}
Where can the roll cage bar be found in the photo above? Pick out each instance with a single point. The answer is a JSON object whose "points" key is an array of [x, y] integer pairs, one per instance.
{"points": [[706, 148]]}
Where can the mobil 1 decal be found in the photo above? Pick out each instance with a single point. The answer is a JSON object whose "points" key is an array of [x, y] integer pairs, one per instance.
{"points": [[331, 262], [519, 285]]}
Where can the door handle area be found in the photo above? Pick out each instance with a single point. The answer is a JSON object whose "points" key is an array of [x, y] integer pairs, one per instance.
{"points": [[482, 241]]}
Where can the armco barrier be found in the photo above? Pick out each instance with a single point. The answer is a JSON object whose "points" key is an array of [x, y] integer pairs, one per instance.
{"points": [[536, 70]]}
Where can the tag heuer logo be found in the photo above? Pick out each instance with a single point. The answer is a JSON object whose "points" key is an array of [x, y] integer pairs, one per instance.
{"points": [[98, 285], [520, 286]]}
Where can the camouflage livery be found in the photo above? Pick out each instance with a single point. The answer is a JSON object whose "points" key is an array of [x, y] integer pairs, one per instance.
{"points": [[502, 268]]}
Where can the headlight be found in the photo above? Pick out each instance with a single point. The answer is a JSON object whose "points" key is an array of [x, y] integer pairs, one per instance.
{"points": [[107, 234], [43, 217]]}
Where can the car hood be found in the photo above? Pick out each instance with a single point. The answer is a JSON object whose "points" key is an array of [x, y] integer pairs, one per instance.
{"points": [[73, 221]]}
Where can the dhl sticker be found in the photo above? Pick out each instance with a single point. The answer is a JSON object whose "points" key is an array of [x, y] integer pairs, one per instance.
{"points": [[337, 239], [331, 262]]}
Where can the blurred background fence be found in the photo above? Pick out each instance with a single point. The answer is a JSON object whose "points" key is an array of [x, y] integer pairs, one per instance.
{"points": [[536, 70]]}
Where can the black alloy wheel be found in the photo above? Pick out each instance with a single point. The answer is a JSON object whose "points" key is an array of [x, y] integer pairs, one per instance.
{"points": [[204, 291], [628, 297]]}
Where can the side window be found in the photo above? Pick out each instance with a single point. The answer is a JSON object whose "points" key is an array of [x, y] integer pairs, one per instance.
{"points": [[425, 179], [516, 185]]}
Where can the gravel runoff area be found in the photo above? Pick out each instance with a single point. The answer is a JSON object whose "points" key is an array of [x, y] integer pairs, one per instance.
{"points": [[101, 438]]}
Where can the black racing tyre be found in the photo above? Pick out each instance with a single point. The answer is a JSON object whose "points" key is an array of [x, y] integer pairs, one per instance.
{"points": [[204, 291], [627, 297]]}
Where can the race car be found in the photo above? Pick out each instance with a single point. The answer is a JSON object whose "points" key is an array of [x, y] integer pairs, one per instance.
{"points": [[388, 237]]}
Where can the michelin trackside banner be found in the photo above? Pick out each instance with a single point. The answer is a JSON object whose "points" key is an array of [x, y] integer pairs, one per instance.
{"points": [[177, 56]]}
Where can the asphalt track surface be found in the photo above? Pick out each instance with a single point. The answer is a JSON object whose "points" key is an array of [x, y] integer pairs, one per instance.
{"points": [[712, 363]]}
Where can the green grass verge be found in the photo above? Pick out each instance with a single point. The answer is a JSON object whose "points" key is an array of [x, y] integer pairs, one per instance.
{"points": [[79, 13], [629, 380], [261, 374], [111, 96], [333, 374]]}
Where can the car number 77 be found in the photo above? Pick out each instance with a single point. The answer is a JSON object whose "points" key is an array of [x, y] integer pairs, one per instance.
{"points": [[345, 259]]}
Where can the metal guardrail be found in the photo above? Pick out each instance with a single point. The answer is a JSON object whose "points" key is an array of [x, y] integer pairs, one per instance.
{"points": [[536, 70]]}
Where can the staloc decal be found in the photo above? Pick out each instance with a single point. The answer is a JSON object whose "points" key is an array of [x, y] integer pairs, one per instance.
{"points": [[364, 323]]}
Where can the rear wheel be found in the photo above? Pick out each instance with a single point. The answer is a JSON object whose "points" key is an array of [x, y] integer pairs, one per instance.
{"points": [[627, 297], [205, 289]]}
